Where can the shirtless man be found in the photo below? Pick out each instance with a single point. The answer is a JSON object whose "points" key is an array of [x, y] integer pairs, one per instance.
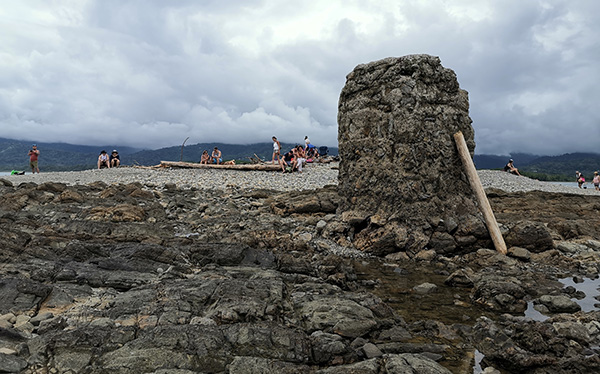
{"points": [[216, 156]]}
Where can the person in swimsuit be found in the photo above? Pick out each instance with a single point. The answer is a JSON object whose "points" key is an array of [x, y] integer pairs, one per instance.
{"points": [[204, 158], [299, 158], [596, 181], [276, 150], [580, 179]]}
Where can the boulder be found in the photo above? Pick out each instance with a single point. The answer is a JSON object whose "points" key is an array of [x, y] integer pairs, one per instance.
{"points": [[399, 162]]}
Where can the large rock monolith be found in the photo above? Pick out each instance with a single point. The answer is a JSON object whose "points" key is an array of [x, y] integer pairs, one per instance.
{"points": [[401, 179]]}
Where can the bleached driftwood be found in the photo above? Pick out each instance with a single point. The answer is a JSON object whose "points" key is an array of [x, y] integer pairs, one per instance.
{"points": [[193, 165]]}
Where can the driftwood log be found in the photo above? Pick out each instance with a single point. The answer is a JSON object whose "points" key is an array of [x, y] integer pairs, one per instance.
{"points": [[193, 165]]}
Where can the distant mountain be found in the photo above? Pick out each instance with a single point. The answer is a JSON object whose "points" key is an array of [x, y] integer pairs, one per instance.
{"points": [[561, 167], [53, 156], [498, 162], [62, 156], [566, 165]]}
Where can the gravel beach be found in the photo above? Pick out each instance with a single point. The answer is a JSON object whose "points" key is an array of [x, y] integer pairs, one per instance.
{"points": [[314, 176]]}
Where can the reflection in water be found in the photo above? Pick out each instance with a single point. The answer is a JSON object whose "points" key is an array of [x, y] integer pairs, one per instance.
{"points": [[450, 305], [395, 287], [534, 314], [589, 287], [478, 358]]}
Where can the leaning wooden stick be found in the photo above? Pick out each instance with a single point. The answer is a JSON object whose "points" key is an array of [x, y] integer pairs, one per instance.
{"points": [[482, 199]]}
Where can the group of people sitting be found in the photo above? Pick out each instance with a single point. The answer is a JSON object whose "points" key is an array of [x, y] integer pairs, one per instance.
{"points": [[106, 161], [293, 160], [296, 157]]}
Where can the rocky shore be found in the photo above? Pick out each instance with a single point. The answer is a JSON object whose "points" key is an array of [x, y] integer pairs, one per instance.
{"points": [[182, 271]]}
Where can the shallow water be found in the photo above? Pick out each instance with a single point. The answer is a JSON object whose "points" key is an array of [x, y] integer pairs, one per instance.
{"points": [[591, 289], [534, 314], [450, 305], [395, 287]]}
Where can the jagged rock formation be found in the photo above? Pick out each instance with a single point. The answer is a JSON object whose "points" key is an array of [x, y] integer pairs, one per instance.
{"points": [[401, 179]]}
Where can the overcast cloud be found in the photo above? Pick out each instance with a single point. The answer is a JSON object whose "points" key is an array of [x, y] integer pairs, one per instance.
{"points": [[151, 73]]}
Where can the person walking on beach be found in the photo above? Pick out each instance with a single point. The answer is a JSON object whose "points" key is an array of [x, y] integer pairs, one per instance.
{"points": [[33, 159], [510, 167], [306, 143], [276, 150], [596, 181], [580, 179]]}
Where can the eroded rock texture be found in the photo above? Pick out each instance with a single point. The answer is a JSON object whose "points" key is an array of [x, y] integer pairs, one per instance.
{"points": [[401, 179]]}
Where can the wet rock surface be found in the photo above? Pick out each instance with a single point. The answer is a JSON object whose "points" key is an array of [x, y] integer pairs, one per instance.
{"points": [[141, 278]]}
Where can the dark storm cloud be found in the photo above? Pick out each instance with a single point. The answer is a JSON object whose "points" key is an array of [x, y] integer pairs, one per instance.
{"points": [[151, 73]]}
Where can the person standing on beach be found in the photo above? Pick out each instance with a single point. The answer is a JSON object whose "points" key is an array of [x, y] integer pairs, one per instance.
{"points": [[276, 150], [306, 143], [33, 159], [580, 179], [596, 181]]}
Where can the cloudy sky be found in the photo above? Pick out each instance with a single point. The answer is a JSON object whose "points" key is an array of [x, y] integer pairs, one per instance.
{"points": [[150, 73]]}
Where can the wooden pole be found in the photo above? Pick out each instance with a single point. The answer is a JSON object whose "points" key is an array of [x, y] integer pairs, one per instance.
{"points": [[482, 199]]}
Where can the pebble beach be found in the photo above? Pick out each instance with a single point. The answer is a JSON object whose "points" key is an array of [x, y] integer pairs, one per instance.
{"points": [[313, 176]]}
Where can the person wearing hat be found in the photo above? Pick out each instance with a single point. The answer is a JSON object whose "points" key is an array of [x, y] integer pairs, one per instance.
{"points": [[103, 161], [115, 160], [510, 167], [33, 159]]}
